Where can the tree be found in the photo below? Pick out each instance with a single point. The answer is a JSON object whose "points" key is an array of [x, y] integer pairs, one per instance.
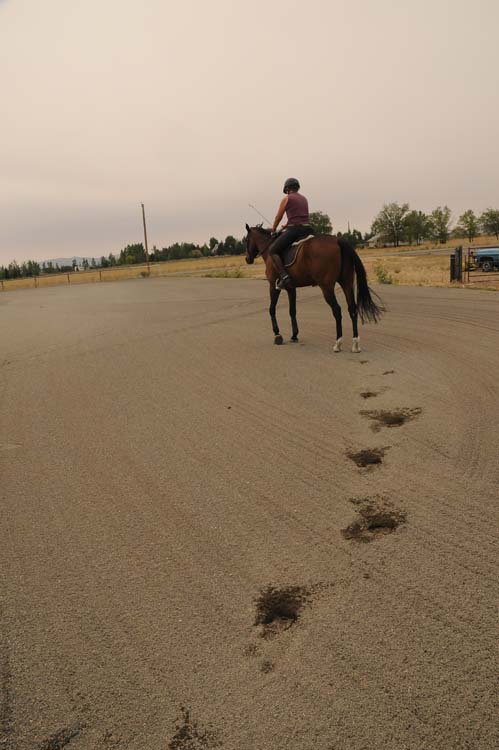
{"points": [[321, 223], [468, 225], [353, 236], [229, 245], [418, 226], [213, 242], [440, 224], [489, 221], [132, 254], [390, 222]]}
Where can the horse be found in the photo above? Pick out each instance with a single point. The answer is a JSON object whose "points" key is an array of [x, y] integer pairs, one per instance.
{"points": [[321, 260]]}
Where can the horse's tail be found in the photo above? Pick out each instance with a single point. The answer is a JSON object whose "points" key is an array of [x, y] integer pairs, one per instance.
{"points": [[368, 309]]}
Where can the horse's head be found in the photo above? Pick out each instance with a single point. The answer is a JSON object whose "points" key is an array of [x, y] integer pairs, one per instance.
{"points": [[256, 240]]}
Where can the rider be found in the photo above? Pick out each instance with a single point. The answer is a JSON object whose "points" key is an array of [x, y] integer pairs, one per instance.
{"points": [[295, 206]]}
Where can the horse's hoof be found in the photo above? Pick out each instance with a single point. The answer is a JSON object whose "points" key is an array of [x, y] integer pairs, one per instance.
{"points": [[356, 346], [338, 345], [294, 339], [278, 340]]}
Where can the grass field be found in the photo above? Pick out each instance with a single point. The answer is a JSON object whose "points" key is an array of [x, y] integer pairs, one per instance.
{"points": [[387, 265]]}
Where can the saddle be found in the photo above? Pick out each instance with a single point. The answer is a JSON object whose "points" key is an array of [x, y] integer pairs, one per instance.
{"points": [[291, 253]]}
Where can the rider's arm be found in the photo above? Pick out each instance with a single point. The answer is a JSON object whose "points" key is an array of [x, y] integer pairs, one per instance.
{"points": [[280, 213]]}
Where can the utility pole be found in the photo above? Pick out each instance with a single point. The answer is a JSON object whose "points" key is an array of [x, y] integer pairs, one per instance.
{"points": [[145, 234]]}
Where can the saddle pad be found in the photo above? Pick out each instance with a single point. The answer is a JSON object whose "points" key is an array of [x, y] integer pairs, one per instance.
{"points": [[291, 253]]}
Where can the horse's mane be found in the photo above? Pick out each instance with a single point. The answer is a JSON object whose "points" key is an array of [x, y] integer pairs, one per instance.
{"points": [[261, 230]]}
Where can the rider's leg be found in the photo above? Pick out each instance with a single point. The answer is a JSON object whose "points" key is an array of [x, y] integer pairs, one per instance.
{"points": [[286, 237]]}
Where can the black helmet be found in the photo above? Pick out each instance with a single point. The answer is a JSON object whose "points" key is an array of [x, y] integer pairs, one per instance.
{"points": [[291, 184]]}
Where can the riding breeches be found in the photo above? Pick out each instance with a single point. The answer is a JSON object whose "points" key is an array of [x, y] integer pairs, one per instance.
{"points": [[289, 235]]}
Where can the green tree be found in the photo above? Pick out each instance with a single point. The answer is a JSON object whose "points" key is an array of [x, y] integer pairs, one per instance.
{"points": [[417, 226], [353, 236], [440, 224], [468, 225], [132, 254], [230, 243], [213, 242], [390, 222], [489, 221], [321, 223]]}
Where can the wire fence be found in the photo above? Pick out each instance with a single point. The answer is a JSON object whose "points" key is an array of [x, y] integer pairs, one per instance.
{"points": [[477, 264], [116, 273]]}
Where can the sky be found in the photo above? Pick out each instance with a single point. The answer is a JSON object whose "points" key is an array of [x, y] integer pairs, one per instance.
{"points": [[198, 109]]}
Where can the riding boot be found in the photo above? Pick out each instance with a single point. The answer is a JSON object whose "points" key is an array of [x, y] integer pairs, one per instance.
{"points": [[284, 281]]}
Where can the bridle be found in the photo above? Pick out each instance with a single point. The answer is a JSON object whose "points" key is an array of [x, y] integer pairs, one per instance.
{"points": [[259, 251]]}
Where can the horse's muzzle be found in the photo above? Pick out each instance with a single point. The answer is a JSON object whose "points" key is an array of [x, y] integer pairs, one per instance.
{"points": [[249, 261]]}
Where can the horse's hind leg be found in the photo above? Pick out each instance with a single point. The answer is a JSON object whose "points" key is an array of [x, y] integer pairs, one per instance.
{"points": [[274, 296], [292, 313], [330, 298], [352, 310]]}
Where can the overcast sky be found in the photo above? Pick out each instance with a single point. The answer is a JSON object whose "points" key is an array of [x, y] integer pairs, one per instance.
{"points": [[198, 108]]}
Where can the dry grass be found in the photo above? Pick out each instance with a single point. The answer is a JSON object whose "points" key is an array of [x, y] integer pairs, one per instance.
{"points": [[226, 267], [425, 270]]}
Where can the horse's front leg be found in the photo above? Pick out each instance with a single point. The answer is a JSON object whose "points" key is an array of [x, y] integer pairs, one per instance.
{"points": [[274, 296], [292, 313]]}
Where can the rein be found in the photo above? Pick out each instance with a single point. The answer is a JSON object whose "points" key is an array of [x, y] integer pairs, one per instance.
{"points": [[265, 249]]}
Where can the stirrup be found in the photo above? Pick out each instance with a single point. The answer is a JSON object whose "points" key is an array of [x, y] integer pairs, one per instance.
{"points": [[284, 282]]}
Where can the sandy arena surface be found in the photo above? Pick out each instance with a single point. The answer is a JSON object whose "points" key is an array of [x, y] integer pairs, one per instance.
{"points": [[162, 463]]}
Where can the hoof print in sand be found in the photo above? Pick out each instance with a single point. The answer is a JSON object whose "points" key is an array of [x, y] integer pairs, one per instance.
{"points": [[394, 418], [267, 666], [189, 736], [279, 609], [61, 739], [376, 516], [368, 457], [369, 394]]}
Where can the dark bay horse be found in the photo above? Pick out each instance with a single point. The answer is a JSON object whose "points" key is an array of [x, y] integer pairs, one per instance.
{"points": [[322, 261]]}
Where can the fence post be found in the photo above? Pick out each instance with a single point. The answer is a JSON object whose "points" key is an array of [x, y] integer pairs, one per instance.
{"points": [[68, 278], [452, 268], [100, 275], [1, 282], [458, 261]]}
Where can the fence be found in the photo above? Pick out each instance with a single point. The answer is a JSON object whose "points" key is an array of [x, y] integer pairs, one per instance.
{"points": [[181, 267], [465, 268]]}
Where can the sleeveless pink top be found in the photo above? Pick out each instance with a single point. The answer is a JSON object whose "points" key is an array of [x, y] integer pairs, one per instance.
{"points": [[297, 209]]}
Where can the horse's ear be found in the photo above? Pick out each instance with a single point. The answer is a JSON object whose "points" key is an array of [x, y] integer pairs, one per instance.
{"points": [[247, 228]]}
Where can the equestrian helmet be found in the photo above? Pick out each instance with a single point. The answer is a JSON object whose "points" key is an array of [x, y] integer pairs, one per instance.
{"points": [[291, 184]]}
